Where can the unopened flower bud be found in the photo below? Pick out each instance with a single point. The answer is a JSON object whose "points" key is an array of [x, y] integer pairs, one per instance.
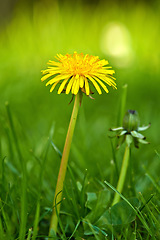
{"points": [[131, 121], [130, 131]]}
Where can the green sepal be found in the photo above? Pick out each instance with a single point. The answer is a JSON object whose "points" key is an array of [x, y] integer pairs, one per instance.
{"points": [[143, 141], [116, 129], [129, 139], [143, 128], [137, 135]]}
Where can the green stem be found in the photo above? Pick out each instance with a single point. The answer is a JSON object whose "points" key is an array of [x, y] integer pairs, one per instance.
{"points": [[122, 174], [122, 105], [63, 167]]}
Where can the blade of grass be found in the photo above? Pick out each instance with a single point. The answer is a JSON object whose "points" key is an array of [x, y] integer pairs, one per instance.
{"points": [[15, 210], [75, 192], [153, 181], [9, 141], [152, 219], [122, 105], [5, 220], [138, 213], [59, 220], [158, 155], [29, 234], [36, 220], [116, 171], [1, 230], [76, 227], [112, 229], [24, 180], [73, 179], [56, 149], [95, 230], [3, 171], [140, 236], [0, 148], [82, 194], [158, 211], [135, 231], [95, 227], [74, 201], [145, 202], [37, 215]]}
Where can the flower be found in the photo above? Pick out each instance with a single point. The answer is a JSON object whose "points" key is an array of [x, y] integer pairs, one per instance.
{"points": [[129, 132], [75, 73]]}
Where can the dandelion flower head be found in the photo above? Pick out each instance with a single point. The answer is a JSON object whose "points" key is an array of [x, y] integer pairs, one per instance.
{"points": [[76, 72]]}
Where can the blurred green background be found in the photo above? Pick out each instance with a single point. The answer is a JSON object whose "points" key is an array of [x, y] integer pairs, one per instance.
{"points": [[126, 33]]}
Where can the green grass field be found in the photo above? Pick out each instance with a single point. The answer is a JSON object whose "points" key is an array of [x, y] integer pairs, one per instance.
{"points": [[34, 122]]}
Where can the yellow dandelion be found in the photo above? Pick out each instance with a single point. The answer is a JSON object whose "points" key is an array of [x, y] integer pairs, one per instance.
{"points": [[75, 72]]}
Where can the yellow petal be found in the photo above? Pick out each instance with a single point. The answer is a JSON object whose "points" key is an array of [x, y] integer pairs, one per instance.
{"points": [[105, 71], [50, 82], [85, 57], [53, 86], [112, 77], [110, 71], [95, 84], [60, 56], [46, 76], [69, 85], [62, 86], [76, 88], [110, 82], [86, 86], [51, 71], [102, 84], [57, 78], [45, 71], [107, 67], [73, 85], [105, 79], [54, 63], [81, 79], [103, 62]]}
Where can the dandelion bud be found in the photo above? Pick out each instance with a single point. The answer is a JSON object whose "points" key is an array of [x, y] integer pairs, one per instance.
{"points": [[131, 121], [130, 131]]}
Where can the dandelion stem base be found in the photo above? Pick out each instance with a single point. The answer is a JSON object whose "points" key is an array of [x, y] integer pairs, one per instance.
{"points": [[63, 168]]}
